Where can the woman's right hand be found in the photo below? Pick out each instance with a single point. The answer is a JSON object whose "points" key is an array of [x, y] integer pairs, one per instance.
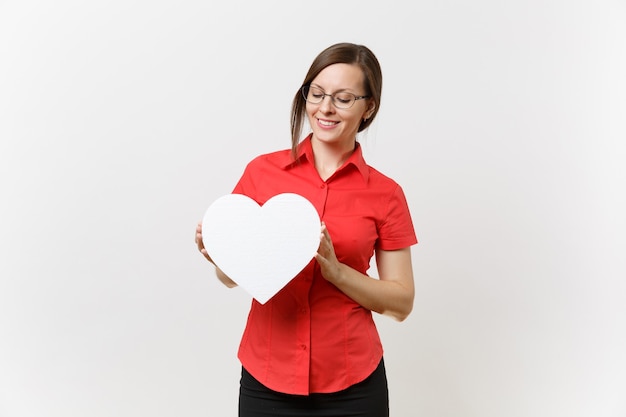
{"points": [[200, 243], [220, 274]]}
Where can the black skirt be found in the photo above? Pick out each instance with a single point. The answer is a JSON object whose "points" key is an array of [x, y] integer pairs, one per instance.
{"points": [[369, 398]]}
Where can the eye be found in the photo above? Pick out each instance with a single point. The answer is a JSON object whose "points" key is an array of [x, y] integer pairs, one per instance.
{"points": [[344, 98], [316, 93]]}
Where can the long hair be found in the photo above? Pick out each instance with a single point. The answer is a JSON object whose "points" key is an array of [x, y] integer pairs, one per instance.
{"points": [[340, 53]]}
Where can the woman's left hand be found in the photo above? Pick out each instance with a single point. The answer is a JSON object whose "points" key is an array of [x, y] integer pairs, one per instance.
{"points": [[391, 294], [330, 266]]}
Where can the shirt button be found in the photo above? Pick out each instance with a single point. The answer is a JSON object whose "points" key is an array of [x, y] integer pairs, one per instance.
{"points": [[303, 347], [323, 185]]}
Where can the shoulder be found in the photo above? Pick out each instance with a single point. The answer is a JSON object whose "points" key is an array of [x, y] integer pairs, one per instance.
{"points": [[378, 179], [258, 170], [277, 159]]}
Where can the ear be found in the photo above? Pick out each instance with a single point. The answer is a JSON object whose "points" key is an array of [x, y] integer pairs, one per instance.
{"points": [[370, 110]]}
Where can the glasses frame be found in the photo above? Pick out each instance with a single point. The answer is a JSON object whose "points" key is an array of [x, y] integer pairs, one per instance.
{"points": [[305, 90]]}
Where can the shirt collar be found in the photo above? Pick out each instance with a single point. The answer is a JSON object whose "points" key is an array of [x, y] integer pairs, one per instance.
{"points": [[305, 152]]}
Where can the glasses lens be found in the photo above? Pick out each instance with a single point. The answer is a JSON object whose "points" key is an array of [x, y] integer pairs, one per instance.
{"points": [[343, 100], [314, 95]]}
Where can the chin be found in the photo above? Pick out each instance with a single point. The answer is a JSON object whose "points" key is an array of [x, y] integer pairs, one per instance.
{"points": [[326, 138]]}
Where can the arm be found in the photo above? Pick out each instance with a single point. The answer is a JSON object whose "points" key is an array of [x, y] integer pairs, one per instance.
{"points": [[220, 274], [392, 294]]}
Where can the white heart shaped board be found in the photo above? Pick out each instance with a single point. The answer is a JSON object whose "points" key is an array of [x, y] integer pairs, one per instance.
{"points": [[261, 248]]}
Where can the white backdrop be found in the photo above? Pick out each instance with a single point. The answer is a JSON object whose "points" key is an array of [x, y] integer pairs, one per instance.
{"points": [[121, 121]]}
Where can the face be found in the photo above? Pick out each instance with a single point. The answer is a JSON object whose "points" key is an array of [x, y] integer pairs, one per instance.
{"points": [[335, 126]]}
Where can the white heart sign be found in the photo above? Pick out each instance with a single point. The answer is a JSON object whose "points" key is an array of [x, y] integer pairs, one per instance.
{"points": [[261, 248]]}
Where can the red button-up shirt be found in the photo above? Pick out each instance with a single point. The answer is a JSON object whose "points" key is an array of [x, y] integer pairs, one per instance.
{"points": [[310, 337]]}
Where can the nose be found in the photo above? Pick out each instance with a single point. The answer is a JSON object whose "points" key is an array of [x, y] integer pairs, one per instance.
{"points": [[327, 106]]}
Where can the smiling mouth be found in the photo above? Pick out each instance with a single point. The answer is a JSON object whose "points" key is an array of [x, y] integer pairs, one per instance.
{"points": [[327, 122]]}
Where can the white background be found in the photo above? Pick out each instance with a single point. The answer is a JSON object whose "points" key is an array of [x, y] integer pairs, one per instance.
{"points": [[121, 121]]}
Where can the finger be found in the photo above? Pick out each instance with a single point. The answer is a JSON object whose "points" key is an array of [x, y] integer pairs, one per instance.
{"points": [[321, 260], [199, 242], [199, 233], [325, 232], [325, 242]]}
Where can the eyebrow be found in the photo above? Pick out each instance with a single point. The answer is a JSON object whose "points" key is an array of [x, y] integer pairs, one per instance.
{"points": [[334, 92]]}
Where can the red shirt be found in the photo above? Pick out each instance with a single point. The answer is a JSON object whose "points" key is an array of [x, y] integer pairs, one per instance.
{"points": [[311, 337]]}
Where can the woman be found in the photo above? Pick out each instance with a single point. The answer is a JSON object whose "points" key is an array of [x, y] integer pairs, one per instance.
{"points": [[313, 349]]}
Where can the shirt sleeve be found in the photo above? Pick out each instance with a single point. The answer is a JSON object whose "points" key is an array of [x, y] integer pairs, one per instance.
{"points": [[396, 231], [246, 184]]}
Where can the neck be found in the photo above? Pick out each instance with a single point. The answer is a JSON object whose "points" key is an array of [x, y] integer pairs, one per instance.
{"points": [[330, 157]]}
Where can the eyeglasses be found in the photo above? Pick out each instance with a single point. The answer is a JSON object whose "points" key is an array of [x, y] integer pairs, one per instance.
{"points": [[341, 100]]}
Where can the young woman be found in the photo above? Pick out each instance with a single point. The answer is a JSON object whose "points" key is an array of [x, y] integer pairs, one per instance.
{"points": [[313, 349]]}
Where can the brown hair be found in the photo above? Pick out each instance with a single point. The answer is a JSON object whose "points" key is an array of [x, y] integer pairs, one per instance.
{"points": [[340, 53]]}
